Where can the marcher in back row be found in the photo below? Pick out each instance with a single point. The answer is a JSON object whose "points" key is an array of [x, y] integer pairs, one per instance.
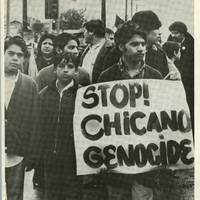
{"points": [[172, 49], [98, 47], [185, 65], [63, 43], [46, 51]]}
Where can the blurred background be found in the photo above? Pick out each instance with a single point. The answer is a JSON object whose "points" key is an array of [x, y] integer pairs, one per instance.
{"points": [[36, 11]]}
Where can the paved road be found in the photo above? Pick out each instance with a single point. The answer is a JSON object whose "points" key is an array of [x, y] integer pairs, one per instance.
{"points": [[182, 189]]}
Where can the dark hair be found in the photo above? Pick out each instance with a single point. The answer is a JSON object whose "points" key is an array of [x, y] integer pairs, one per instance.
{"points": [[109, 31], [44, 37], [170, 47], [126, 31], [95, 26], [62, 39], [178, 26], [17, 40], [68, 57]]}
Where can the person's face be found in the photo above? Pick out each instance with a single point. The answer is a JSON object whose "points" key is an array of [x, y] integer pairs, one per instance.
{"points": [[110, 36], [14, 58], [177, 36], [47, 47], [71, 47], [65, 72], [154, 36], [134, 49], [87, 36], [29, 48], [178, 54]]}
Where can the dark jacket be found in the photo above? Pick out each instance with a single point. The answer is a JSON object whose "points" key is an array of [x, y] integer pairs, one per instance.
{"points": [[114, 73], [186, 67], [57, 122], [99, 62], [186, 63], [21, 117], [42, 63], [155, 57]]}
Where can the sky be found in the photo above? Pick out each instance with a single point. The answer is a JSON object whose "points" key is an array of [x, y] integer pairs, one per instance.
{"points": [[167, 10]]}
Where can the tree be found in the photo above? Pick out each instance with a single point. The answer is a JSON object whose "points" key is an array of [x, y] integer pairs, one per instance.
{"points": [[73, 18], [37, 27]]}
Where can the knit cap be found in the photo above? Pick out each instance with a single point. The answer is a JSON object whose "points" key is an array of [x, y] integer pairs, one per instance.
{"points": [[148, 20]]}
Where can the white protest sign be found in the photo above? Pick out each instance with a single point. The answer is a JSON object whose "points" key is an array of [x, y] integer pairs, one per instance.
{"points": [[132, 126]]}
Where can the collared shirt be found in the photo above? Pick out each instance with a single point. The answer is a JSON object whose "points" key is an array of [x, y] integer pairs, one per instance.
{"points": [[10, 81], [139, 73], [65, 88], [90, 58]]}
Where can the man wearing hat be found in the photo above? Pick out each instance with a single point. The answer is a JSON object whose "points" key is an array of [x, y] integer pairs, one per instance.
{"points": [[155, 56], [186, 63]]}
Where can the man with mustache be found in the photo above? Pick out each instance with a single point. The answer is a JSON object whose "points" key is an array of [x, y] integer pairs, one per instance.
{"points": [[185, 65]]}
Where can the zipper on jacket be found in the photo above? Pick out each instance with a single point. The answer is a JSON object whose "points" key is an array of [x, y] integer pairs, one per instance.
{"points": [[58, 121]]}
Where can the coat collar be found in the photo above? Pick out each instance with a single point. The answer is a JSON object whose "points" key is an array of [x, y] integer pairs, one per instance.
{"points": [[53, 86]]}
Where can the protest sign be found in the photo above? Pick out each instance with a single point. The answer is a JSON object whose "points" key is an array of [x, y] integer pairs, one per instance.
{"points": [[132, 126]]}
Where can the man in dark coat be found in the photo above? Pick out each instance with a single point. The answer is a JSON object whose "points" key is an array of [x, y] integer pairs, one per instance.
{"points": [[21, 98], [155, 56], [186, 63], [98, 47]]}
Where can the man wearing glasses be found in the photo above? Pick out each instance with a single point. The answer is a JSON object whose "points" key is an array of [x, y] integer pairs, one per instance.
{"points": [[20, 114]]}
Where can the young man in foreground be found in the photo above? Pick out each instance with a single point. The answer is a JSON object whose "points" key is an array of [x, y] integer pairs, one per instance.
{"points": [[20, 101], [131, 40], [57, 110]]}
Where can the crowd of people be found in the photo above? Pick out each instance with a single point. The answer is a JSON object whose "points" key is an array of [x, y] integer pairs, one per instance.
{"points": [[39, 108]]}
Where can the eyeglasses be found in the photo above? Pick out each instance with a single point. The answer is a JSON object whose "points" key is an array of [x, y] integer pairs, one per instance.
{"points": [[12, 53]]}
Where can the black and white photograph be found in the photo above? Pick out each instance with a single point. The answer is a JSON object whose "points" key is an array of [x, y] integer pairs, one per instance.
{"points": [[98, 100]]}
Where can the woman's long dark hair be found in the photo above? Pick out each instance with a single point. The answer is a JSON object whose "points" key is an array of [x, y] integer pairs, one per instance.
{"points": [[44, 37]]}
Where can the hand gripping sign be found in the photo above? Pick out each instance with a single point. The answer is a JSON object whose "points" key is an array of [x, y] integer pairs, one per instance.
{"points": [[132, 126]]}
